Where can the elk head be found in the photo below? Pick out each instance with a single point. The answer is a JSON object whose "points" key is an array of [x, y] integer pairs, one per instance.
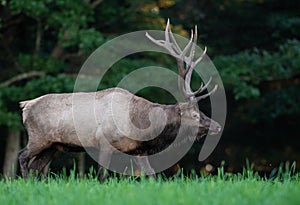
{"points": [[186, 63]]}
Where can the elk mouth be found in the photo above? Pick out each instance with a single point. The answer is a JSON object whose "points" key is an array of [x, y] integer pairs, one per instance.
{"points": [[214, 132]]}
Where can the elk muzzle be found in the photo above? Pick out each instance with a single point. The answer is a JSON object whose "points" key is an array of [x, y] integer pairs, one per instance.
{"points": [[214, 128]]}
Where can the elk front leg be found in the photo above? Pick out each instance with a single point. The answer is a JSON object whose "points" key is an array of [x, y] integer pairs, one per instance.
{"points": [[143, 163], [104, 162]]}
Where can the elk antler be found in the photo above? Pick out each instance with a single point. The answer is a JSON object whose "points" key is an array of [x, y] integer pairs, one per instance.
{"points": [[186, 64]]}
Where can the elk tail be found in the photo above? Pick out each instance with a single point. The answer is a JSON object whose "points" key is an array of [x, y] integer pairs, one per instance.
{"points": [[23, 103]]}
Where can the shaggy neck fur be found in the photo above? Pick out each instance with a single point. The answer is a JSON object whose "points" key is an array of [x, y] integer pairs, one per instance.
{"points": [[166, 137]]}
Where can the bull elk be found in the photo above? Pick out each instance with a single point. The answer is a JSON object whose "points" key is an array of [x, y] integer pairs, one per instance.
{"points": [[49, 119]]}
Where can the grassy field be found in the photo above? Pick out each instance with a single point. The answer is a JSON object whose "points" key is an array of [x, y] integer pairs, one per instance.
{"points": [[245, 188]]}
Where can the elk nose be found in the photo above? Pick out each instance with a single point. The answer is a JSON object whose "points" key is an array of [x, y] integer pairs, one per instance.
{"points": [[215, 127], [219, 128]]}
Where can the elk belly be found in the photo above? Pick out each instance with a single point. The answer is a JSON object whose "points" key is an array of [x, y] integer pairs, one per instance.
{"points": [[124, 144]]}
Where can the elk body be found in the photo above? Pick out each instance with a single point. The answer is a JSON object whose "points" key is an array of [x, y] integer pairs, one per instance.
{"points": [[50, 124]]}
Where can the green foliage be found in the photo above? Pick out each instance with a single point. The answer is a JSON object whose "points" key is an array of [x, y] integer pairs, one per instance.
{"points": [[68, 20], [263, 80], [10, 119], [130, 15], [231, 26], [129, 64], [10, 97], [275, 103], [121, 69], [3, 2], [42, 63], [89, 40], [284, 25], [7, 117], [33, 9], [226, 188], [48, 84], [244, 72], [63, 25]]}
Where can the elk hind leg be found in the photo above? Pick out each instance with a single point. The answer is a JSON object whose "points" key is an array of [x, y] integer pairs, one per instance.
{"points": [[41, 160], [23, 160]]}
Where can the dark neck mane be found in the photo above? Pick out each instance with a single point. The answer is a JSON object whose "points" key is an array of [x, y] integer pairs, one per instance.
{"points": [[166, 137]]}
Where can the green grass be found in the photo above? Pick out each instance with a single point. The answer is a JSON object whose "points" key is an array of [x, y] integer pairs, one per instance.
{"points": [[244, 188]]}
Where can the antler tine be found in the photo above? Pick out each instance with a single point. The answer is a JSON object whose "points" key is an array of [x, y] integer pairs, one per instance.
{"points": [[185, 64], [185, 74], [190, 64], [190, 69], [208, 94], [167, 44], [187, 47], [157, 42], [173, 47], [175, 44], [202, 88], [180, 59], [188, 81], [192, 52], [167, 33], [201, 57]]}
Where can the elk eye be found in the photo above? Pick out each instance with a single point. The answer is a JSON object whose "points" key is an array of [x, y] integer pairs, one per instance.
{"points": [[195, 115]]}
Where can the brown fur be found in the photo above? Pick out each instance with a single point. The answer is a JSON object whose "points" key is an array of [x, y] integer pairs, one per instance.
{"points": [[45, 137]]}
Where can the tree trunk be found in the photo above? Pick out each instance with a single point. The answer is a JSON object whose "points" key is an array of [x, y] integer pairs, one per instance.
{"points": [[57, 51], [11, 154]]}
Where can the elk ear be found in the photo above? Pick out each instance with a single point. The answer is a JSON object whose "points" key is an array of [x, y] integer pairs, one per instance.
{"points": [[182, 107]]}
